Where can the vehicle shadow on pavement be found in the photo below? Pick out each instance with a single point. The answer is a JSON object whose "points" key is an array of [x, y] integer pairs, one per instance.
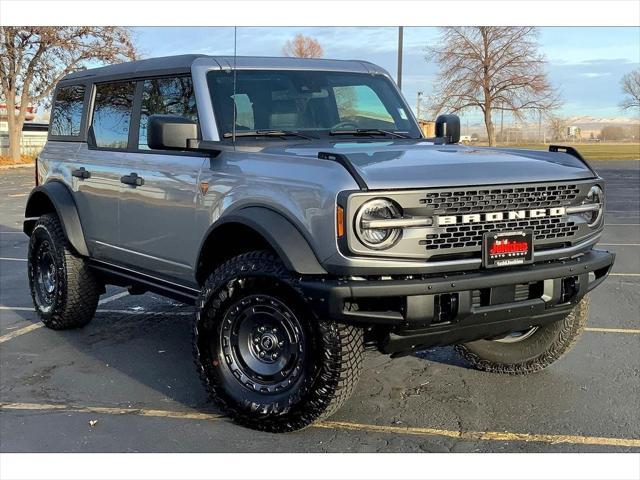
{"points": [[444, 355], [118, 359]]}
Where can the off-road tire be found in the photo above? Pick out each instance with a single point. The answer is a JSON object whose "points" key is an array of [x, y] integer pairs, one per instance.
{"points": [[76, 289], [546, 345], [333, 351]]}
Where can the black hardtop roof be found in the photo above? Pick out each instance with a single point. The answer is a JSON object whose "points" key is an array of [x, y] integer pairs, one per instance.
{"points": [[177, 63], [183, 63]]}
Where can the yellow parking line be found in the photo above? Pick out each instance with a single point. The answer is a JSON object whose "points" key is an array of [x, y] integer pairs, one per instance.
{"points": [[612, 330], [418, 431], [485, 436], [35, 326], [21, 331], [112, 411]]}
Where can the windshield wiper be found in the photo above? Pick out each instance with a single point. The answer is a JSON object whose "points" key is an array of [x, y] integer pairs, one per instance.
{"points": [[370, 131], [267, 133]]}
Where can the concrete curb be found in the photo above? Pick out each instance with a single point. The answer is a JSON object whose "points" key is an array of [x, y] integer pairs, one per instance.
{"points": [[20, 165]]}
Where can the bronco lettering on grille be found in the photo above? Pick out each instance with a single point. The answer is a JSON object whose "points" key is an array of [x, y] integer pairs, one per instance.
{"points": [[499, 216]]}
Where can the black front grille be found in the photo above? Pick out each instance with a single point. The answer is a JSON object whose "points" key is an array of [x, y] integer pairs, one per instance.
{"points": [[492, 199], [470, 235]]}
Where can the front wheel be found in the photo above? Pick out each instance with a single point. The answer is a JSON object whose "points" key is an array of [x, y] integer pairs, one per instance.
{"points": [[531, 350], [263, 356]]}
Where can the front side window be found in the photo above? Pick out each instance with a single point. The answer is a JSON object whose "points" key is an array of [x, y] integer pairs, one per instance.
{"points": [[314, 103], [362, 106], [166, 96], [112, 114], [66, 114]]}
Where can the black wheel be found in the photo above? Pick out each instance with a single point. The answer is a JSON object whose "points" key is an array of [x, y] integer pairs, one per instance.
{"points": [[531, 350], [263, 356], [65, 291]]}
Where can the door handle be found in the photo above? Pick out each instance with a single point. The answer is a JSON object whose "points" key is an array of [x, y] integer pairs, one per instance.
{"points": [[132, 179], [81, 173]]}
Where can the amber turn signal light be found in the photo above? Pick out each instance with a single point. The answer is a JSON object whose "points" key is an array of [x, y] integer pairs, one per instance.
{"points": [[340, 221]]}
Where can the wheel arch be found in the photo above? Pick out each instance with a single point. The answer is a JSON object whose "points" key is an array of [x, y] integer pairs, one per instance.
{"points": [[55, 197], [254, 228]]}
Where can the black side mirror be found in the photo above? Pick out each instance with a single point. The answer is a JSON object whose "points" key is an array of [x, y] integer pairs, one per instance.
{"points": [[448, 128], [170, 132]]}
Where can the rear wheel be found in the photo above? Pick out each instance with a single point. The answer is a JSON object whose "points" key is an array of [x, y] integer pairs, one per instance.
{"points": [[65, 291], [530, 350], [265, 360]]}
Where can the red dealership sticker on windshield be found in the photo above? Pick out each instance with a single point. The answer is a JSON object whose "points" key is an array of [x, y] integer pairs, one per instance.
{"points": [[503, 249]]}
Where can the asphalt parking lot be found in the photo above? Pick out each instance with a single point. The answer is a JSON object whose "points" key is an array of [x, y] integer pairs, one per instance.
{"points": [[131, 371]]}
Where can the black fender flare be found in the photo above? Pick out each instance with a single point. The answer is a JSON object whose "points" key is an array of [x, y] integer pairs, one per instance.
{"points": [[57, 194], [283, 236]]}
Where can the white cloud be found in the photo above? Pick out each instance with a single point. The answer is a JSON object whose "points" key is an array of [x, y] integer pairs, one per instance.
{"points": [[595, 74]]}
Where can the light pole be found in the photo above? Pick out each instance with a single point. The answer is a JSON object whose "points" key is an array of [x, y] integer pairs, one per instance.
{"points": [[400, 37], [419, 101]]}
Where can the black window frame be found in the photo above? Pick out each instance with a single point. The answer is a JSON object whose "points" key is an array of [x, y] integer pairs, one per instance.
{"points": [[81, 137], [136, 113], [402, 101]]}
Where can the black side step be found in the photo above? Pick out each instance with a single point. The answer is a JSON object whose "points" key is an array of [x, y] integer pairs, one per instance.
{"points": [[346, 163], [140, 282]]}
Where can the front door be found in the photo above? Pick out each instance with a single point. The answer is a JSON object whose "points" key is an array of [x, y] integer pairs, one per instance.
{"points": [[157, 216], [158, 201]]}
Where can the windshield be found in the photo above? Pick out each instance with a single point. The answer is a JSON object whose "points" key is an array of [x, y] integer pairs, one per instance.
{"points": [[315, 103]]}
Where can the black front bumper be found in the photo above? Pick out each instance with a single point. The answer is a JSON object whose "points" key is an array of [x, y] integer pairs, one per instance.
{"points": [[461, 307]]}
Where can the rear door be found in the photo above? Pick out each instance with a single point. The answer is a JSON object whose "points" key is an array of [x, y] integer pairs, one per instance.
{"points": [[157, 217], [98, 163]]}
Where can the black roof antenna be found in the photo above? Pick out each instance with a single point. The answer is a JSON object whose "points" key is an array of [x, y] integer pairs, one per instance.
{"points": [[233, 98]]}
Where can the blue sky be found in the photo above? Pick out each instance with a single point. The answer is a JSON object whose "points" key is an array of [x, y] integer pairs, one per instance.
{"points": [[584, 63]]}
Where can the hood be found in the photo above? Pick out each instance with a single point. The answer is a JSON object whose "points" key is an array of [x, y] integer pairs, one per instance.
{"points": [[420, 164]]}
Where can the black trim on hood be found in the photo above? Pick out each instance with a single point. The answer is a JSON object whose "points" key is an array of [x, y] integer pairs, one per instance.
{"points": [[346, 163], [573, 152]]}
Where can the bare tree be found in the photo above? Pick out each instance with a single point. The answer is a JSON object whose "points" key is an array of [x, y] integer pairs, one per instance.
{"points": [[302, 47], [631, 89], [557, 127], [490, 68], [612, 133], [33, 59]]}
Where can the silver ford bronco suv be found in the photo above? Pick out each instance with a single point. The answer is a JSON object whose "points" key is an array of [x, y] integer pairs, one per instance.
{"points": [[297, 205]]}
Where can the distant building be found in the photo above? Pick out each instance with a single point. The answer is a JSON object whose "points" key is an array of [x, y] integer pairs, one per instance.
{"points": [[29, 116], [34, 134], [574, 133], [428, 128]]}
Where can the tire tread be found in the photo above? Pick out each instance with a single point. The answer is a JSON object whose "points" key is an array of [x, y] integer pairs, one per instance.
{"points": [[78, 289], [342, 347], [566, 334]]}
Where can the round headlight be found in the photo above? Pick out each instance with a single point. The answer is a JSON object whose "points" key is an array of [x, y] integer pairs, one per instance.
{"points": [[595, 197], [368, 228]]}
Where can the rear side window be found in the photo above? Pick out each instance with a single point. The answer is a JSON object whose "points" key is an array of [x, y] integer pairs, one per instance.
{"points": [[166, 96], [112, 114], [66, 114]]}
